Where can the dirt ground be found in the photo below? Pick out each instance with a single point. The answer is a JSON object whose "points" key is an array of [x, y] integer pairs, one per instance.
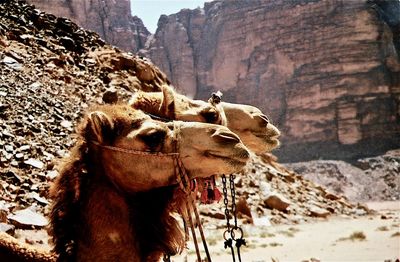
{"points": [[335, 239]]}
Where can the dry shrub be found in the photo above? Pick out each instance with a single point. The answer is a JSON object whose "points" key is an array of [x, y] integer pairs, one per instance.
{"points": [[355, 236], [397, 234], [382, 228], [275, 244]]}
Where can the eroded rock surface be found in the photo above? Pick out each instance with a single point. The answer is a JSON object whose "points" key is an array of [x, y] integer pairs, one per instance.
{"points": [[366, 179], [326, 71], [112, 20]]}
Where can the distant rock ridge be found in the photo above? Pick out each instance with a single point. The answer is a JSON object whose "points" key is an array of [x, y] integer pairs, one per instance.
{"points": [[112, 20], [327, 72]]}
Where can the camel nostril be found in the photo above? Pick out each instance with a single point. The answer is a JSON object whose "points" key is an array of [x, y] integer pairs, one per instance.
{"points": [[227, 137], [264, 120]]}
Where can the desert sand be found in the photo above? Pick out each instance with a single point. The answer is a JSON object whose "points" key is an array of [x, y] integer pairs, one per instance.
{"points": [[316, 240], [323, 240]]}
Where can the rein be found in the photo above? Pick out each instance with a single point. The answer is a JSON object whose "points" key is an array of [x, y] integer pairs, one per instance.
{"points": [[185, 185]]}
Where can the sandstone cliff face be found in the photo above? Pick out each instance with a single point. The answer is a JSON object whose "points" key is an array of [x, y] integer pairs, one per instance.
{"points": [[112, 20], [326, 71]]}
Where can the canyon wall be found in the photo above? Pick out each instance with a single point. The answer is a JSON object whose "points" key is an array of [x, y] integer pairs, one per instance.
{"points": [[111, 19], [326, 71]]}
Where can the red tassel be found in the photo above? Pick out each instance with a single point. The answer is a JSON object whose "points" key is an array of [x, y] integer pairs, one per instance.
{"points": [[217, 194], [204, 198], [209, 191]]}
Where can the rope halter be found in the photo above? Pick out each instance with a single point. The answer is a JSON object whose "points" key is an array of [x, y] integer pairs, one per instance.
{"points": [[182, 179]]}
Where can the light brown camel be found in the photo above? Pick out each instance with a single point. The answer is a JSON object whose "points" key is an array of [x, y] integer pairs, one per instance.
{"points": [[248, 122], [113, 202]]}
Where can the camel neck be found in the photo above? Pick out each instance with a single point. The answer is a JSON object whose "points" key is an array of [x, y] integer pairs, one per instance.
{"points": [[127, 227], [106, 233]]}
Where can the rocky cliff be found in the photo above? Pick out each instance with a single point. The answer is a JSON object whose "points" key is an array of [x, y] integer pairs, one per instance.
{"points": [[112, 20], [326, 71]]}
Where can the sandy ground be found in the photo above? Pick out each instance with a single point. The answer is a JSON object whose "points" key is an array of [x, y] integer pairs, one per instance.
{"points": [[325, 240]]}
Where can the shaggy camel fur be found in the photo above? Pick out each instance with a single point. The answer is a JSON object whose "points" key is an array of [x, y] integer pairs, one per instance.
{"points": [[248, 122], [113, 204]]}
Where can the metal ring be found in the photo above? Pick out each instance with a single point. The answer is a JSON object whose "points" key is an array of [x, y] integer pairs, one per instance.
{"points": [[224, 235], [233, 235]]}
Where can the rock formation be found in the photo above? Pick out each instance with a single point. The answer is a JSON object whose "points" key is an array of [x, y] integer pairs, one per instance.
{"points": [[112, 20], [327, 71], [367, 179]]}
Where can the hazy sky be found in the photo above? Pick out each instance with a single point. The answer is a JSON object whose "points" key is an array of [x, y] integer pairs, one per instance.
{"points": [[150, 10]]}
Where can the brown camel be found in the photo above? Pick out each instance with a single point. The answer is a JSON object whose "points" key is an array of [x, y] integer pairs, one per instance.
{"points": [[116, 192], [248, 122]]}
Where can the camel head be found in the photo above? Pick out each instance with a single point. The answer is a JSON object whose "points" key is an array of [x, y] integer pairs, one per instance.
{"points": [[252, 126], [171, 105], [248, 122], [126, 143]]}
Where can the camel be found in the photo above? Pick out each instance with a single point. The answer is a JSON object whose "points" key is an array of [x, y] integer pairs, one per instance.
{"points": [[248, 122], [116, 193]]}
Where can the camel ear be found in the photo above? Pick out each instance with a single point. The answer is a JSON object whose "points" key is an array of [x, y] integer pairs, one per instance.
{"points": [[168, 101], [101, 126]]}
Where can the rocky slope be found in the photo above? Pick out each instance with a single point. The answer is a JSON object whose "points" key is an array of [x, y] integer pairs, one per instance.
{"points": [[367, 179], [51, 71], [112, 20], [326, 71]]}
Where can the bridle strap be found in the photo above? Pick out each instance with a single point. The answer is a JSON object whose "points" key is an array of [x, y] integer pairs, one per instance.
{"points": [[184, 183], [133, 152]]}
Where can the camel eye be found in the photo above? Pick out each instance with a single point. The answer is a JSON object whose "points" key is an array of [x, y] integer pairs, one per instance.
{"points": [[135, 125], [210, 116], [153, 139]]}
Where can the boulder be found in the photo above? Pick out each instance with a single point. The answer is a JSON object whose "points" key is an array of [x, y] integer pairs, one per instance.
{"points": [[319, 212], [27, 218], [276, 201], [242, 207]]}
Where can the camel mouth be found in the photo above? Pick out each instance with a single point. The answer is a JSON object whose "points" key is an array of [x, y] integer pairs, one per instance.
{"points": [[267, 137], [238, 159], [272, 142], [275, 142]]}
